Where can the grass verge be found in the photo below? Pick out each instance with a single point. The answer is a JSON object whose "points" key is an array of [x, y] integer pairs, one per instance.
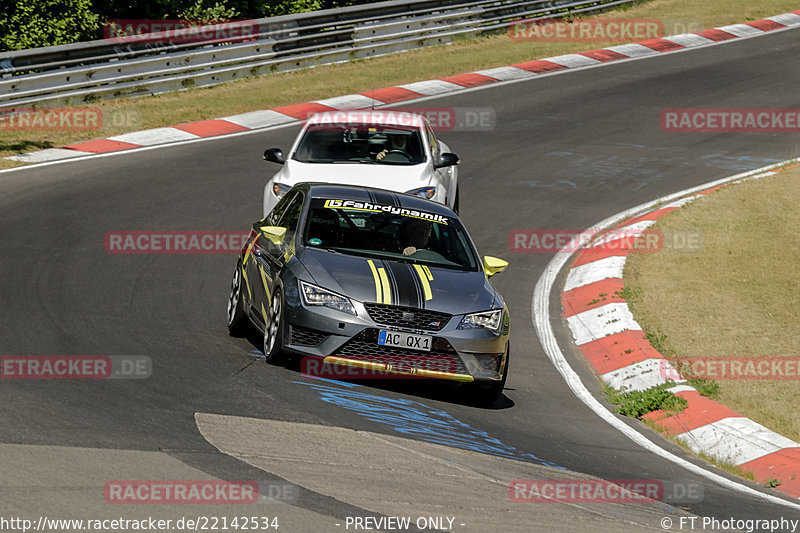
{"points": [[638, 403], [735, 296], [364, 75]]}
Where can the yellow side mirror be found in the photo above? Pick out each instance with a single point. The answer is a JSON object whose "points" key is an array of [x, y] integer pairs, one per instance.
{"points": [[493, 265], [274, 233]]}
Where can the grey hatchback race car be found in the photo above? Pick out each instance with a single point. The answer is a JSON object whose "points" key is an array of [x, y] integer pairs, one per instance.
{"points": [[385, 283]]}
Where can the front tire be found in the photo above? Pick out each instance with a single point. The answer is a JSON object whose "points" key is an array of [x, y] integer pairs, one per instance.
{"points": [[273, 331], [237, 320]]}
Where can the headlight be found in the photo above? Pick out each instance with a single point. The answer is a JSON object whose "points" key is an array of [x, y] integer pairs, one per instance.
{"points": [[313, 295], [279, 189], [490, 320], [423, 192]]}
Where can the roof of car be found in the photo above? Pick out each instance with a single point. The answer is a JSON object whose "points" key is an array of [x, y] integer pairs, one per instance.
{"points": [[375, 196], [386, 117]]}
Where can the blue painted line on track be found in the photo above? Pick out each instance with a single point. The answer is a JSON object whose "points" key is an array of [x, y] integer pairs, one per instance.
{"points": [[415, 419]]}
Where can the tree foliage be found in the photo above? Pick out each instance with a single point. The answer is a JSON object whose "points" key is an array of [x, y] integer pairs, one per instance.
{"points": [[35, 23]]}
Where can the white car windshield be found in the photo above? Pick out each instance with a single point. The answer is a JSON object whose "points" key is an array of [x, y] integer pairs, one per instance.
{"points": [[384, 145], [388, 232]]}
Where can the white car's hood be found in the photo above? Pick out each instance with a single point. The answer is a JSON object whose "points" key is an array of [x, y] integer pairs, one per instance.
{"points": [[400, 178]]}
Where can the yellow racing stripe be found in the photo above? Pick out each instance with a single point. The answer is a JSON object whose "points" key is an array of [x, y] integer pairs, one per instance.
{"points": [[378, 293], [387, 292], [423, 277]]}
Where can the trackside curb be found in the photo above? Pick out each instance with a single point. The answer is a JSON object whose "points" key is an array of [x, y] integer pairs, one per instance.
{"points": [[612, 341]]}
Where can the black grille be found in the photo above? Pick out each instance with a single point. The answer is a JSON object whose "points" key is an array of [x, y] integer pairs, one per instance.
{"points": [[392, 315], [365, 347], [306, 337]]}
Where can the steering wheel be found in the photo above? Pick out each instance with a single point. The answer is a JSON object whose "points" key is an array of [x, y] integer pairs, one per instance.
{"points": [[398, 152]]}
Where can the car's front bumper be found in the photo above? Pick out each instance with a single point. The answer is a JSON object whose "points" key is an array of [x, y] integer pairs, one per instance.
{"points": [[342, 339]]}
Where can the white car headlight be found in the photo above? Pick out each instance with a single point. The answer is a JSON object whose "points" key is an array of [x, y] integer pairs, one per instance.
{"points": [[279, 189], [491, 320], [423, 192], [313, 295]]}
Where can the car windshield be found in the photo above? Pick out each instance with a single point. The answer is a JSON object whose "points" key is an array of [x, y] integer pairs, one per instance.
{"points": [[388, 232], [384, 145]]}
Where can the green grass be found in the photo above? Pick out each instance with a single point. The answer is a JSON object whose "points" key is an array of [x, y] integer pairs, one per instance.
{"points": [[733, 298], [638, 403]]}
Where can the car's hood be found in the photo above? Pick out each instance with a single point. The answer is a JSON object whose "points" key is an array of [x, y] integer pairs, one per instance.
{"points": [[451, 291], [399, 178]]}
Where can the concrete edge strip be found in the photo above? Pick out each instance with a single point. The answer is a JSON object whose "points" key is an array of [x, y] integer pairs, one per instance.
{"points": [[611, 340], [255, 120]]}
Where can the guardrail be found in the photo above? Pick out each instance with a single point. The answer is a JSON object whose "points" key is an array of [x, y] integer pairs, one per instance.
{"points": [[155, 63]]}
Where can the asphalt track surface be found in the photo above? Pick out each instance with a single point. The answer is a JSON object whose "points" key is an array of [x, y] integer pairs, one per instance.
{"points": [[567, 151]]}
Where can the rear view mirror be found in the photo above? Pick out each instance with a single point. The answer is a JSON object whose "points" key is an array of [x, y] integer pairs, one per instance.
{"points": [[446, 160], [275, 155]]}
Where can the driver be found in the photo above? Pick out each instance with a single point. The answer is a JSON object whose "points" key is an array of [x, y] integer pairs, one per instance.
{"points": [[397, 142], [416, 232]]}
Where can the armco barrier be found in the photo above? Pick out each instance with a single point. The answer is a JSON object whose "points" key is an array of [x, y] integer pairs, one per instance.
{"points": [[157, 63]]}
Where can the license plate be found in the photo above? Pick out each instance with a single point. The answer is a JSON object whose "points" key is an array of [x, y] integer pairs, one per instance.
{"points": [[405, 340]]}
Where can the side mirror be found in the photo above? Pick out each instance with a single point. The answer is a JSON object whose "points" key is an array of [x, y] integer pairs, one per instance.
{"points": [[493, 265], [274, 155], [446, 160], [274, 235]]}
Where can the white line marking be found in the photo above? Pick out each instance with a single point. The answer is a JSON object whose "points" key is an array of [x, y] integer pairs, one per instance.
{"points": [[573, 60], [48, 155], [787, 19], [155, 136], [741, 30], [719, 440], [350, 101], [506, 73], [641, 376], [431, 87], [262, 118], [540, 316], [688, 39], [609, 319], [609, 267], [630, 230], [633, 50], [681, 388]]}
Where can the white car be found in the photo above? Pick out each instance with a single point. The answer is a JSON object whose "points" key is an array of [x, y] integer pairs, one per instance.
{"points": [[386, 149]]}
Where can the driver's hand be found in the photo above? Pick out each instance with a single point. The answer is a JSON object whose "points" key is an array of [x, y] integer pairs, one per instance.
{"points": [[382, 154], [409, 250]]}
